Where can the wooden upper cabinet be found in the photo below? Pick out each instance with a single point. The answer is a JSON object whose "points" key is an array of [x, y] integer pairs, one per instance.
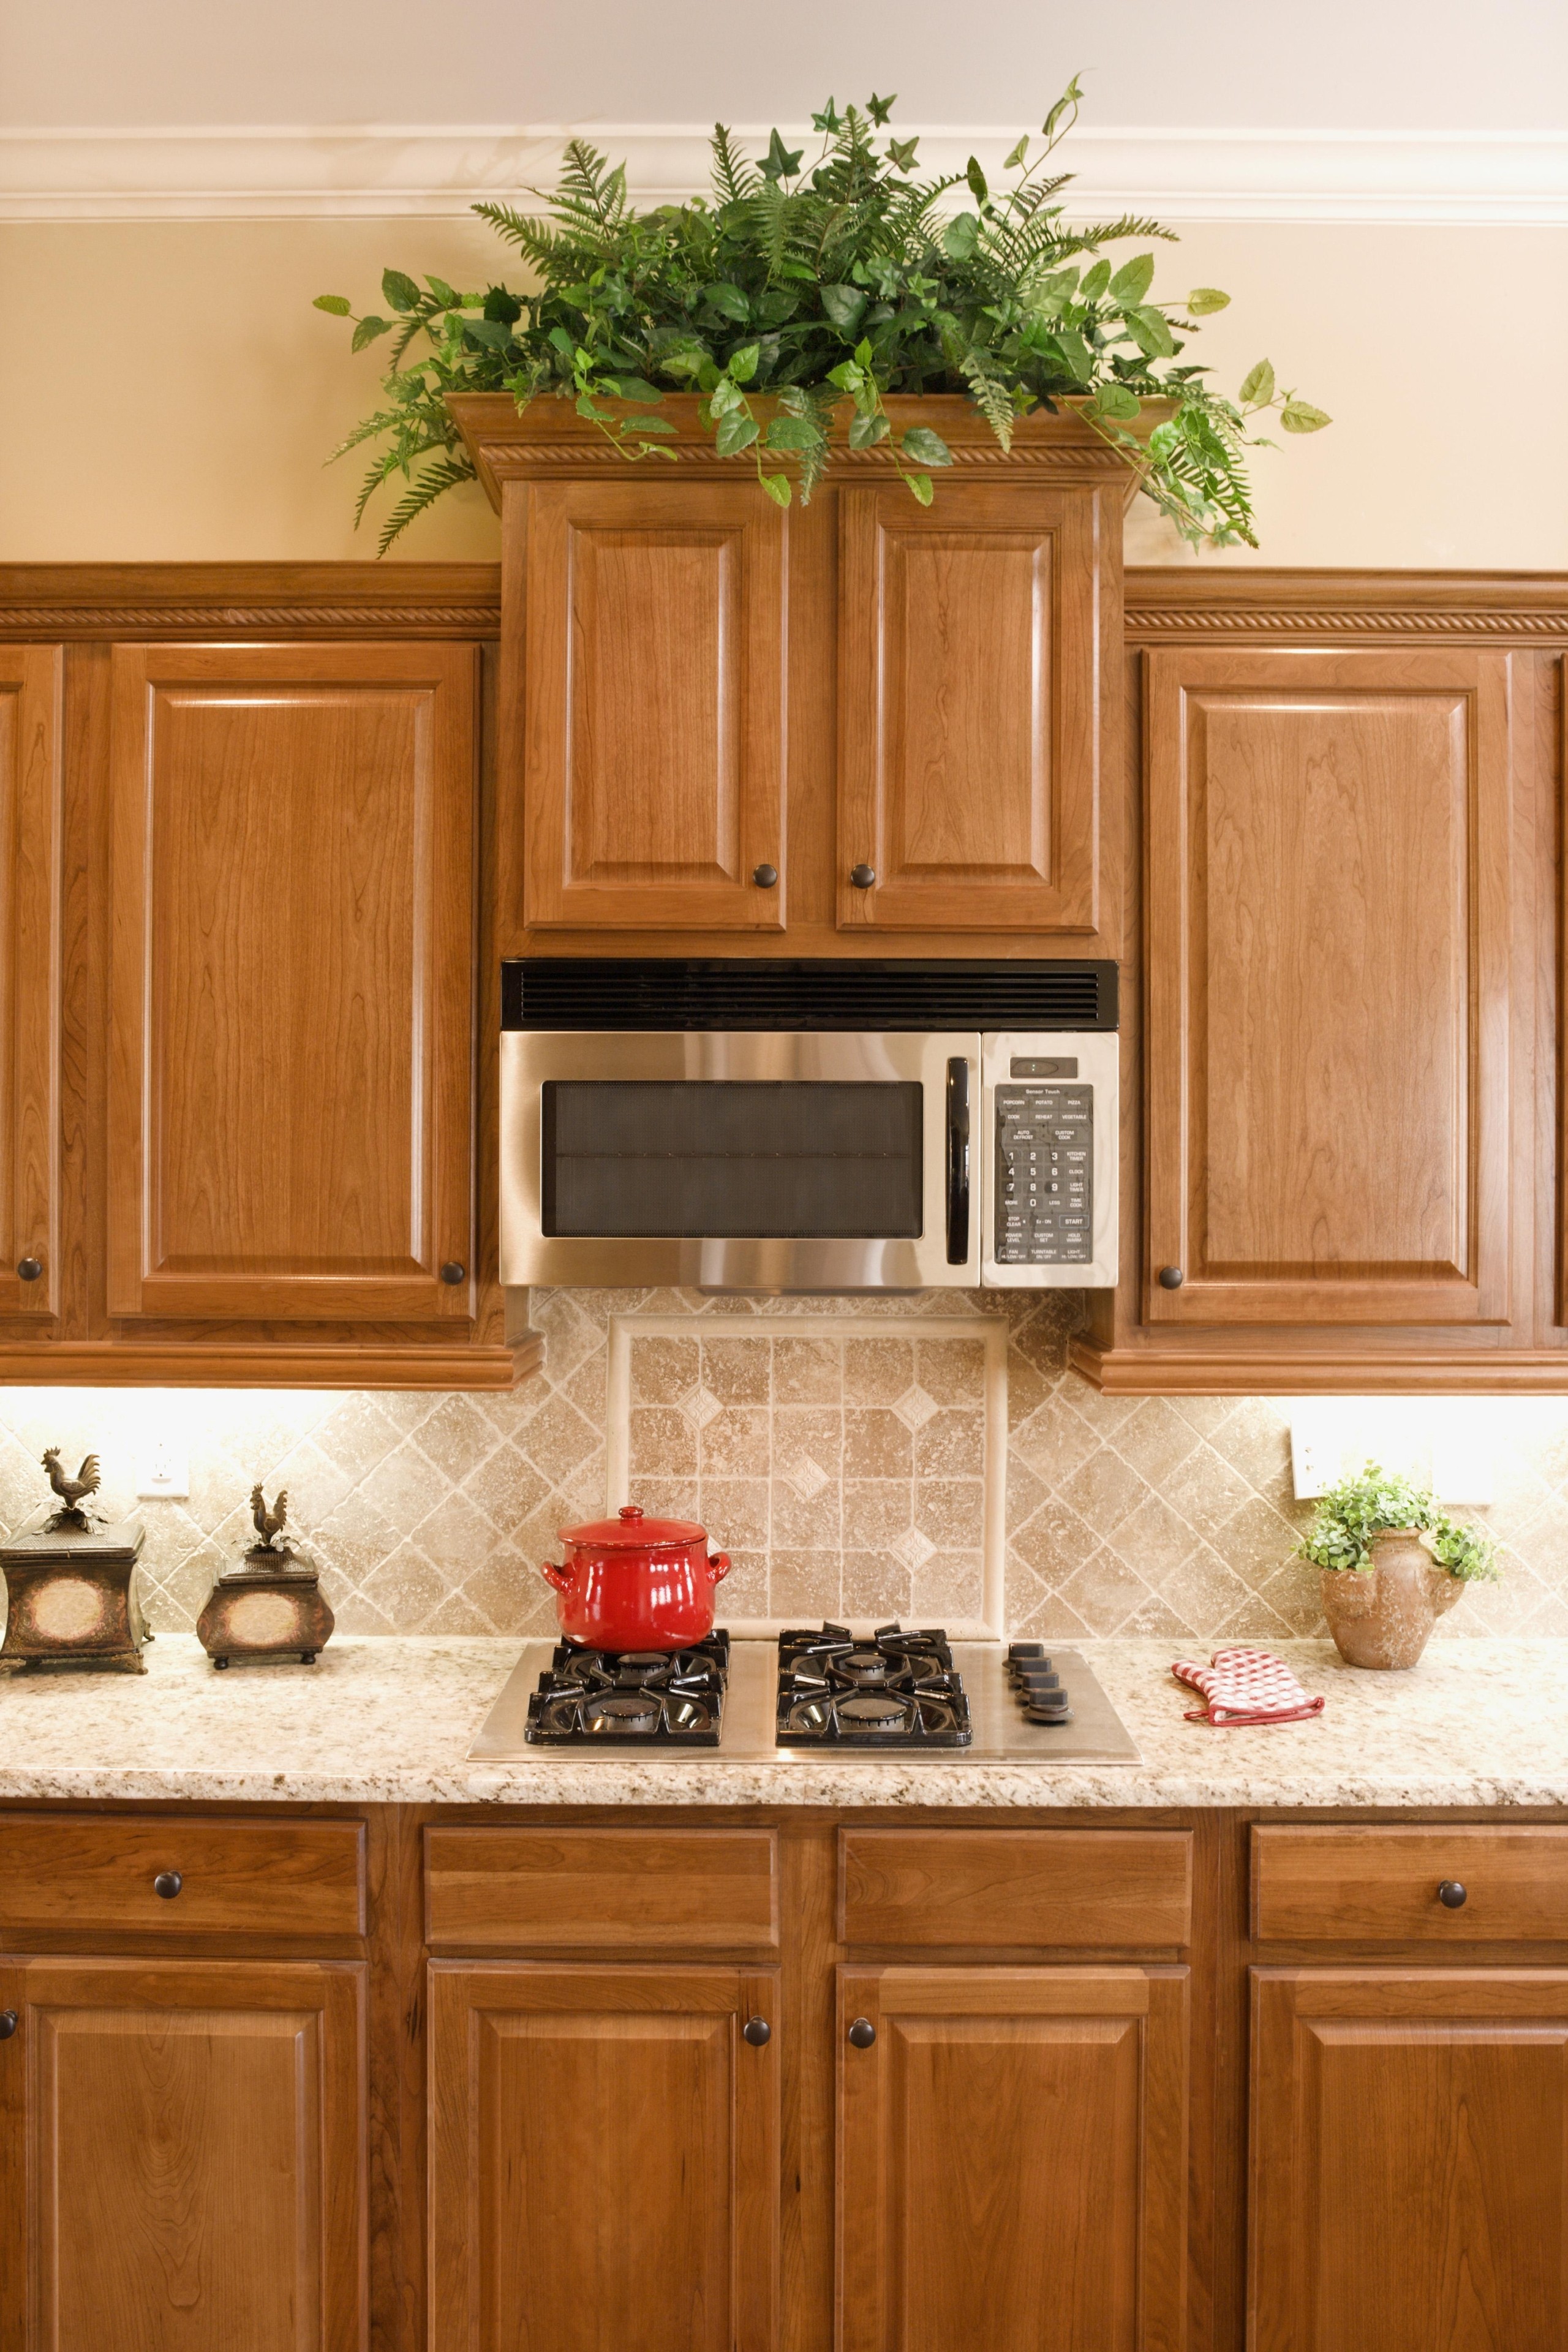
{"points": [[30, 758], [291, 1002], [1327, 908], [969, 725], [1409, 2178], [1013, 2163], [183, 2157], [652, 705]]}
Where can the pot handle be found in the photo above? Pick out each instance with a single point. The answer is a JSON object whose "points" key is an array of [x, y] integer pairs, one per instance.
{"points": [[555, 1576], [718, 1566]]}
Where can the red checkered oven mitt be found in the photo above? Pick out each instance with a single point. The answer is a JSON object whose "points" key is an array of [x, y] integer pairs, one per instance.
{"points": [[1246, 1687]]}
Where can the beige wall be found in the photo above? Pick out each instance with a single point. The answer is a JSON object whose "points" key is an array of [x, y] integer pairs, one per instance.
{"points": [[171, 395]]}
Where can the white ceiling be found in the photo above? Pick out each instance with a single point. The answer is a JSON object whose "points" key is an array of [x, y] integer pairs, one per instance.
{"points": [[1387, 64]]}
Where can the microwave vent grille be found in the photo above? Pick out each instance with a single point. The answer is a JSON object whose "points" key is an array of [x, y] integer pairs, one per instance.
{"points": [[567, 992]]}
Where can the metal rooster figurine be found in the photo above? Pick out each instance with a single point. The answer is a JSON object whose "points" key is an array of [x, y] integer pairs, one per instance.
{"points": [[72, 1492], [268, 1524]]}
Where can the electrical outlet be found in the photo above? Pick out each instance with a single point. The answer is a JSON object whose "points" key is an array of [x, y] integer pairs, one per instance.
{"points": [[1317, 1447], [163, 1468]]}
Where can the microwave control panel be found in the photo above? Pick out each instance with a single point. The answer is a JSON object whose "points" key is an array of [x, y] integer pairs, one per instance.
{"points": [[1043, 1153], [1050, 1129]]}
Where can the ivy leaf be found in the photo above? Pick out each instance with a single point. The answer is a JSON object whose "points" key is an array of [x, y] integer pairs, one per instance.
{"points": [[846, 307], [500, 304], [780, 162], [1205, 299], [1070, 98], [878, 108], [728, 300], [827, 119], [1300, 416], [634, 387], [927, 448], [961, 238], [901, 153], [636, 424], [489, 332], [920, 485], [564, 343], [776, 486], [1151, 332], [792, 433], [399, 289], [1114, 401], [1134, 279], [865, 432], [1076, 353], [446, 295], [1012, 162], [367, 332], [976, 179], [1258, 386], [338, 304], [743, 363], [736, 432]]}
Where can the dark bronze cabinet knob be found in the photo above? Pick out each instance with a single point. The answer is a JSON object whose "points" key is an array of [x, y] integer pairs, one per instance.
{"points": [[863, 876], [1451, 1895], [757, 2031], [167, 1883], [862, 2033], [7, 2023], [452, 1272], [31, 1269], [765, 876], [1170, 1277]]}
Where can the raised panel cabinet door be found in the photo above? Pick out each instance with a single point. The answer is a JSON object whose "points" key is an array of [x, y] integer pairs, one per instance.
{"points": [[182, 2157], [1409, 2164], [292, 986], [1012, 2160], [1328, 894], [30, 818], [604, 2160], [970, 727], [650, 706]]}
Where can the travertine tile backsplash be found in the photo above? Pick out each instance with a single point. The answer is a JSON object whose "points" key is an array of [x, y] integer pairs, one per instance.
{"points": [[842, 1450]]}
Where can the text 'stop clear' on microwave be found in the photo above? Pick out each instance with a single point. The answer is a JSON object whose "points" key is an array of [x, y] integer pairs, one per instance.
{"points": [[822, 1125]]}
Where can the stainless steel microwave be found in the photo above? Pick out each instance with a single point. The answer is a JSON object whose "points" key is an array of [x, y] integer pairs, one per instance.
{"points": [[797, 1126]]}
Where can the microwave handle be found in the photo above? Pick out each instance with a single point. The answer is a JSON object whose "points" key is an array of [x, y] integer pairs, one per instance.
{"points": [[958, 1160]]}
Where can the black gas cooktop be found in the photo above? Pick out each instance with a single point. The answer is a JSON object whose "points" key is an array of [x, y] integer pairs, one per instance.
{"points": [[892, 1689]]}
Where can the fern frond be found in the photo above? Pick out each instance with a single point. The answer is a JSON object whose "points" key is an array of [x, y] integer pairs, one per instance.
{"points": [[432, 483], [735, 177], [989, 392]]}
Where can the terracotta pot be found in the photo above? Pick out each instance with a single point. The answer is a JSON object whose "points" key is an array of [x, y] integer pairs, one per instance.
{"points": [[633, 1583], [1384, 1615]]}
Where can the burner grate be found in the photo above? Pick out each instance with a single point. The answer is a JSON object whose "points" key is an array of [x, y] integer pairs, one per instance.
{"points": [[896, 1690], [631, 1698]]}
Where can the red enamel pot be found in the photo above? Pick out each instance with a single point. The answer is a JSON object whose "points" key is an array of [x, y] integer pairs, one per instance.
{"points": [[632, 1583]]}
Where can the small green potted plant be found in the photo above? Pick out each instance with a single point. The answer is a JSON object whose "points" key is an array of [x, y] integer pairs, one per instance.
{"points": [[1391, 1560]]}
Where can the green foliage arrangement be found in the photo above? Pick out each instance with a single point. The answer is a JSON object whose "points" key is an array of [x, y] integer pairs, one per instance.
{"points": [[1370, 1503], [813, 287]]}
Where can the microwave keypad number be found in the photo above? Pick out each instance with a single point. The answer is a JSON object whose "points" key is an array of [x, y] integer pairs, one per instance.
{"points": [[1044, 1175]]}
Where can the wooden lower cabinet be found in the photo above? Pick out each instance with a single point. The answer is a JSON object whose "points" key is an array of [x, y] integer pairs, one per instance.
{"points": [[1013, 2159], [182, 2157], [603, 2154], [1409, 2187]]}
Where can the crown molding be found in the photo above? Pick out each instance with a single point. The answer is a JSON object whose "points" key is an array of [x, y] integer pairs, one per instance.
{"points": [[379, 170]]}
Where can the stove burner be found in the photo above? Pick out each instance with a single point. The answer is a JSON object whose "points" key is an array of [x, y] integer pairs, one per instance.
{"points": [[608, 1698], [898, 1691]]}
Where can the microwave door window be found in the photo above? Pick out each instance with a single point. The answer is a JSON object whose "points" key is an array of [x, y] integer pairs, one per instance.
{"points": [[732, 1158]]}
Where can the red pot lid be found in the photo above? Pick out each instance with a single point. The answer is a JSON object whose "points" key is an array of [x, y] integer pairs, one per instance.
{"points": [[631, 1532]]}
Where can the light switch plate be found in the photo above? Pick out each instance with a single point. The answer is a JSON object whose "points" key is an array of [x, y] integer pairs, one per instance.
{"points": [[163, 1468]]}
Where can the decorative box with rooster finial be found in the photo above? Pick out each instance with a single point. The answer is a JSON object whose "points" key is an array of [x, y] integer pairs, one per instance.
{"points": [[271, 1605], [71, 1582]]}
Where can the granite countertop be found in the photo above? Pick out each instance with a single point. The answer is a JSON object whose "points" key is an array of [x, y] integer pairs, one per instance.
{"points": [[1479, 1722]]}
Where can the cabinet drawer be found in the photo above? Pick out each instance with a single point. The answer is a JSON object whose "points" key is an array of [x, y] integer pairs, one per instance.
{"points": [[1031, 1887], [1379, 1885], [267, 1878], [602, 1890]]}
